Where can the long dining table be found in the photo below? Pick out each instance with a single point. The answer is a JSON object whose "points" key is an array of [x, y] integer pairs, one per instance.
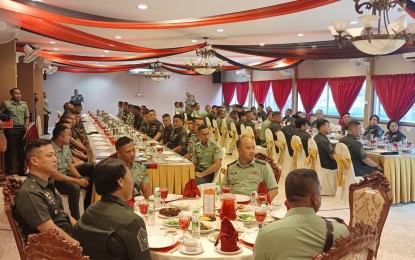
{"points": [[167, 169]]}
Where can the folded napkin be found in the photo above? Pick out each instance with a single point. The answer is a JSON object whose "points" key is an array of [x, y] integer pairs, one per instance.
{"points": [[191, 189], [130, 203], [262, 188], [287, 204], [228, 237]]}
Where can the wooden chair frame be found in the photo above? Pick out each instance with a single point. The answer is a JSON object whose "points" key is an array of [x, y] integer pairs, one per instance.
{"points": [[376, 181], [277, 172]]}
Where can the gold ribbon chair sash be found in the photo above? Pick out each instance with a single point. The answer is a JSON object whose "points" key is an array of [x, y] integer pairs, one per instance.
{"points": [[224, 135], [297, 149], [342, 164], [281, 149], [233, 134], [311, 158], [216, 134], [270, 147]]}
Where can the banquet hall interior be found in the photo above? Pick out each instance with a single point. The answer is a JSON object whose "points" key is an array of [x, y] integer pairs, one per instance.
{"points": [[302, 55]]}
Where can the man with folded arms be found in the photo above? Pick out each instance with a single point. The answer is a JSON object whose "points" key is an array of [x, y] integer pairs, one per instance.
{"points": [[244, 174], [301, 234], [68, 179], [37, 206], [206, 156], [126, 153], [110, 229], [361, 163]]}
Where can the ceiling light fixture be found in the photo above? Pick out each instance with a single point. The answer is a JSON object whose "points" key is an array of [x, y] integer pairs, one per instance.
{"points": [[386, 38], [158, 74], [142, 6], [219, 30], [194, 40], [118, 37], [106, 51], [261, 44], [205, 66], [55, 49], [52, 42], [300, 34]]}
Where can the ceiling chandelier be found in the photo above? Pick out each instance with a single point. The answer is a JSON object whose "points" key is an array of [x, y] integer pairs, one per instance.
{"points": [[205, 66], [158, 74], [386, 38]]}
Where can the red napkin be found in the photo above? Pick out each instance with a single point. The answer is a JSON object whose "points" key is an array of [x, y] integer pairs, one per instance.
{"points": [[130, 203], [287, 204], [191, 189], [262, 188], [228, 237]]}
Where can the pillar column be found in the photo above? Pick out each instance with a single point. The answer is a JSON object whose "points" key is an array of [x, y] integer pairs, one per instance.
{"points": [[7, 69]]}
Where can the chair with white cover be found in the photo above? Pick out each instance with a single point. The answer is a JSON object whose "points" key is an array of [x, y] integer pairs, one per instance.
{"points": [[234, 137], [298, 152], [219, 173], [345, 172], [216, 134], [269, 140], [185, 122], [209, 125], [225, 139], [370, 201], [284, 160], [39, 125], [359, 244], [327, 177], [243, 130]]}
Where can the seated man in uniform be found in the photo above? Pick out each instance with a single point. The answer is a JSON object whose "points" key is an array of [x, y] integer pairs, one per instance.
{"points": [[289, 130], [155, 127], [361, 163], [233, 116], [146, 121], [193, 137], [126, 153], [264, 126], [319, 116], [168, 128], [110, 229], [303, 232], [275, 124], [325, 148], [206, 156], [244, 174], [70, 179], [37, 206], [177, 141], [241, 121], [301, 125], [346, 120]]}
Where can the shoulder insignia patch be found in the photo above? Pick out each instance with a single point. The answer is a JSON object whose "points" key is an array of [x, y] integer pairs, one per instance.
{"points": [[216, 149], [142, 239], [260, 161], [232, 163]]}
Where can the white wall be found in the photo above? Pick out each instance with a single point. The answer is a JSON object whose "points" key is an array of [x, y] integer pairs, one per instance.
{"points": [[104, 90]]}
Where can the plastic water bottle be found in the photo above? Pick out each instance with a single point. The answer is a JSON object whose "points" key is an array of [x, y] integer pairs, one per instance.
{"points": [[157, 196], [195, 224], [151, 213], [253, 198]]}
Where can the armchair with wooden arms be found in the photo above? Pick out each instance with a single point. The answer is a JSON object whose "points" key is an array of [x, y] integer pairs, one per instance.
{"points": [[11, 187], [50, 245], [370, 201], [359, 244], [277, 172]]}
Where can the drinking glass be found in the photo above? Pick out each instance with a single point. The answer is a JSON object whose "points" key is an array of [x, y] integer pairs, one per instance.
{"points": [[163, 194], [261, 197], [143, 206], [260, 215], [184, 223], [226, 189]]}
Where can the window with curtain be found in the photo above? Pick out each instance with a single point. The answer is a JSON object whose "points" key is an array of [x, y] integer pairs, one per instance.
{"points": [[380, 111], [269, 101], [235, 101]]}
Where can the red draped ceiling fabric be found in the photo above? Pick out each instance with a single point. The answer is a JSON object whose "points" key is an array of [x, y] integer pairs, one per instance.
{"points": [[228, 90], [281, 90], [242, 92], [260, 89], [345, 91], [396, 93], [310, 91], [259, 13]]}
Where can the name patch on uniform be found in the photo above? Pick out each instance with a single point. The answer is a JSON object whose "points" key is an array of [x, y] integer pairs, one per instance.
{"points": [[254, 173], [142, 239]]}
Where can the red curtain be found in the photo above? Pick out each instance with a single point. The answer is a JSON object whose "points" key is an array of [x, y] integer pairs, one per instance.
{"points": [[396, 93], [281, 90], [242, 92], [228, 91], [260, 89], [310, 91], [345, 91]]}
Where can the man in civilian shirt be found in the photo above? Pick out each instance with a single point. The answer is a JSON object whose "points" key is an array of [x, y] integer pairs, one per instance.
{"points": [[346, 120], [68, 179], [325, 148], [168, 128], [361, 163], [261, 113], [37, 206], [319, 116], [303, 232], [287, 117]]}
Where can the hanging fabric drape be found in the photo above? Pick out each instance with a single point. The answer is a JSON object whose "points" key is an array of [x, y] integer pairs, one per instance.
{"points": [[281, 90], [228, 91], [345, 91], [396, 93], [310, 91], [260, 89], [242, 89]]}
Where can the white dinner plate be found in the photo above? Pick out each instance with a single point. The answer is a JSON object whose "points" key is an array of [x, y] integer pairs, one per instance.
{"points": [[217, 249], [236, 225], [242, 198], [174, 158], [213, 236], [250, 237], [167, 153], [183, 250], [279, 213], [180, 204], [252, 218], [157, 241], [167, 224]]}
